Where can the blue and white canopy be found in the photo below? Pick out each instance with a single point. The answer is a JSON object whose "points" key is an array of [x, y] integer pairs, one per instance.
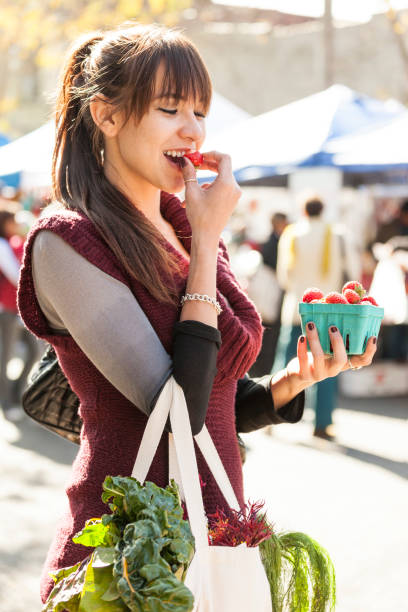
{"points": [[296, 135], [376, 150]]}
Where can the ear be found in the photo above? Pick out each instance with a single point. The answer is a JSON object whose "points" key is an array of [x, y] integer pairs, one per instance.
{"points": [[108, 120]]}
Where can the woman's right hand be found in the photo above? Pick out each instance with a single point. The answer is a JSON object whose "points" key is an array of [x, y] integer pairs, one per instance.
{"points": [[209, 208]]}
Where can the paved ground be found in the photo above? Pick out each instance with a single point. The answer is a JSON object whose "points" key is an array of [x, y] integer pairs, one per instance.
{"points": [[352, 497]]}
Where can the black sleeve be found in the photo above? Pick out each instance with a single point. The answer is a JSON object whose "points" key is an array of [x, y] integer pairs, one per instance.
{"points": [[254, 407], [195, 349]]}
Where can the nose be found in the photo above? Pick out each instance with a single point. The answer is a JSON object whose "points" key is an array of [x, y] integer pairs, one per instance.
{"points": [[193, 128]]}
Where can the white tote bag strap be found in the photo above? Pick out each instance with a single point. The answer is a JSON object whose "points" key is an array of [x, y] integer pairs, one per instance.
{"points": [[210, 454], [153, 433], [172, 399], [187, 463], [174, 471]]}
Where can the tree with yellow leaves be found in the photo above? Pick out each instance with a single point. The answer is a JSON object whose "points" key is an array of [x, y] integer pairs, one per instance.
{"points": [[34, 35]]}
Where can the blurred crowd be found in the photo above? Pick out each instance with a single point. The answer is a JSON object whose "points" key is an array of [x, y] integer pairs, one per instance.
{"points": [[310, 252], [19, 348]]}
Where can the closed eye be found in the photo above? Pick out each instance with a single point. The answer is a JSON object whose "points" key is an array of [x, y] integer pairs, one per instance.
{"points": [[167, 110], [173, 112]]}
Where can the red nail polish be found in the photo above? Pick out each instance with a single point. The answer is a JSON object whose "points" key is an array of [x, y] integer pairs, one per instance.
{"points": [[310, 326], [302, 338], [374, 340], [333, 329]]}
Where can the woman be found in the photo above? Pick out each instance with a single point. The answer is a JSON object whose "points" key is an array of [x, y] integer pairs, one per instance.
{"points": [[112, 279]]}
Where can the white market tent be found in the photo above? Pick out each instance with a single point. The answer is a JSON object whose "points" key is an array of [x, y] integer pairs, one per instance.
{"points": [[31, 155], [383, 148], [296, 135]]}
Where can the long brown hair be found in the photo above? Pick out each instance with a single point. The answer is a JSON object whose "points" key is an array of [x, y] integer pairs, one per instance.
{"points": [[121, 66]]}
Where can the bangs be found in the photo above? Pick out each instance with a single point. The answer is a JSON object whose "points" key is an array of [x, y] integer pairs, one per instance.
{"points": [[144, 50], [185, 76]]}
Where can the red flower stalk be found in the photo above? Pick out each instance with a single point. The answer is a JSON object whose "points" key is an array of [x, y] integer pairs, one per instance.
{"points": [[238, 527]]}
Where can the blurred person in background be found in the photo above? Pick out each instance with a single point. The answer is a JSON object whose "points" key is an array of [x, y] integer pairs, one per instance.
{"points": [[11, 329], [396, 227], [313, 253], [390, 288], [267, 294]]}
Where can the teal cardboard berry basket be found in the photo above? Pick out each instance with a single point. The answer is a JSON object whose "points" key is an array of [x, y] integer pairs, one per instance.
{"points": [[356, 323]]}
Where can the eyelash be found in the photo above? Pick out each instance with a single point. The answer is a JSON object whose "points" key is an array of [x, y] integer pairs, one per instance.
{"points": [[173, 112]]}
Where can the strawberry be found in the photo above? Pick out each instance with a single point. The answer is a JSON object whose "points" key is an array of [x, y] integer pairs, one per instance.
{"points": [[312, 294], [354, 286], [351, 296], [195, 157], [335, 298], [369, 300]]}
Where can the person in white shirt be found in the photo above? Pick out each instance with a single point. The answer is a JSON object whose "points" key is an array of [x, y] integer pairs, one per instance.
{"points": [[313, 253]]}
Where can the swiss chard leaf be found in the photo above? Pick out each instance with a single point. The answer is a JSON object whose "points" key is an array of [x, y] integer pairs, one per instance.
{"points": [[97, 582], [66, 593], [95, 533], [142, 551]]}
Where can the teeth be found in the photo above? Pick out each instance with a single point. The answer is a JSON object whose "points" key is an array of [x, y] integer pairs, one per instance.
{"points": [[175, 153]]}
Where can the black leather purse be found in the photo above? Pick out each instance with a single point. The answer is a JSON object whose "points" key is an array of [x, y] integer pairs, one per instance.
{"points": [[49, 399]]}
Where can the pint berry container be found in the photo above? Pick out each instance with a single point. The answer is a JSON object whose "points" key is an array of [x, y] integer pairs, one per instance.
{"points": [[355, 322]]}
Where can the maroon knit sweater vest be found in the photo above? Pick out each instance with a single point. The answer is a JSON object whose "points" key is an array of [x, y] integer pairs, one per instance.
{"points": [[112, 425]]}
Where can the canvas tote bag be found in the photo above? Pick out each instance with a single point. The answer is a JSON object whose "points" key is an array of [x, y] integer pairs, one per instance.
{"points": [[221, 578]]}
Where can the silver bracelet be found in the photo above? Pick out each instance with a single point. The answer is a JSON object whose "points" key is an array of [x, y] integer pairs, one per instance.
{"points": [[189, 297]]}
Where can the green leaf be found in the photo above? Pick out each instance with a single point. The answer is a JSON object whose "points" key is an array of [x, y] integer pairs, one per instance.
{"points": [[172, 594], [152, 571], [182, 550], [103, 557], [95, 533], [97, 582], [66, 593], [112, 593]]}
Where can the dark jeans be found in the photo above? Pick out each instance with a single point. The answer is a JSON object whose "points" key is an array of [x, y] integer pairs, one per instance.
{"points": [[323, 395], [12, 330]]}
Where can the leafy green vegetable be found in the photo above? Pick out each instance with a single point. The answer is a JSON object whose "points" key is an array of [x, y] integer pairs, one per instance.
{"points": [[95, 533], [142, 552], [300, 573], [66, 594]]}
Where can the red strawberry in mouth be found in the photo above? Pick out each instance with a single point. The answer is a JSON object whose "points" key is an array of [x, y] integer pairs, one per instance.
{"points": [[195, 157]]}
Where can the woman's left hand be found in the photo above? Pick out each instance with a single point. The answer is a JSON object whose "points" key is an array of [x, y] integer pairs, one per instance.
{"points": [[313, 366]]}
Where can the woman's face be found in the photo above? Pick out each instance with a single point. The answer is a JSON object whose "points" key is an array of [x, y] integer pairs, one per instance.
{"points": [[146, 147]]}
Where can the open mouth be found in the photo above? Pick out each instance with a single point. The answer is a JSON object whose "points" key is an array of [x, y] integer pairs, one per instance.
{"points": [[175, 157]]}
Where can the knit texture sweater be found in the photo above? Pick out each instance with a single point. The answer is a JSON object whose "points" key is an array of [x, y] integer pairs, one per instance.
{"points": [[112, 425]]}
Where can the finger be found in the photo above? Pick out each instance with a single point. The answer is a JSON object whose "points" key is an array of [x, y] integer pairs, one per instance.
{"points": [[316, 349], [358, 361], [339, 350], [303, 356], [190, 177], [209, 165], [222, 160]]}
